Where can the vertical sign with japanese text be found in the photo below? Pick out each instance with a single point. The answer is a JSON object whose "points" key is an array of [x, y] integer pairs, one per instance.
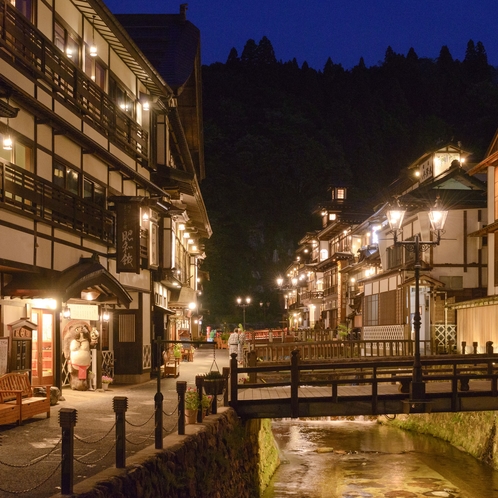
{"points": [[128, 240]]}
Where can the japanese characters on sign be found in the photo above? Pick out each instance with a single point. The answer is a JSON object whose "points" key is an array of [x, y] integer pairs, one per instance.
{"points": [[128, 243]]}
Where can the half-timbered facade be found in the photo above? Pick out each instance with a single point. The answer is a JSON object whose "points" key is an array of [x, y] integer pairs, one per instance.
{"points": [[101, 215]]}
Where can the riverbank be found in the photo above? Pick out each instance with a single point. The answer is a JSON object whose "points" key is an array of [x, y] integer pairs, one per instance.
{"points": [[472, 432]]}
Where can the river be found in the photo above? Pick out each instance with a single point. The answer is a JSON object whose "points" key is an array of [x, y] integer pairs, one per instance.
{"points": [[364, 459]]}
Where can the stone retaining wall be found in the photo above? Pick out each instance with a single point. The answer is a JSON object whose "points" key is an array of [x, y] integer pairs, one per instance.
{"points": [[222, 457], [472, 432]]}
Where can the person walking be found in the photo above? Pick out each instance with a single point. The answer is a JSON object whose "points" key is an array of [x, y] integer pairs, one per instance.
{"points": [[233, 343]]}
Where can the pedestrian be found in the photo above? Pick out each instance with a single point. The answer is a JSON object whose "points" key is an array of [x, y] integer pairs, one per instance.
{"points": [[242, 343], [233, 342]]}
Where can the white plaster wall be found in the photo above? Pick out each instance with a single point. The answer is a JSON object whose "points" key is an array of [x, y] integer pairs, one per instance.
{"points": [[44, 19]]}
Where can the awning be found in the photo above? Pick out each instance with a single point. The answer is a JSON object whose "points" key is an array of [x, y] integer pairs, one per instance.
{"points": [[491, 228], [182, 297], [424, 280], [88, 276]]}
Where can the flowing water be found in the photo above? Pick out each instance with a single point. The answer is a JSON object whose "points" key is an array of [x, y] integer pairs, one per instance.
{"points": [[364, 459]]}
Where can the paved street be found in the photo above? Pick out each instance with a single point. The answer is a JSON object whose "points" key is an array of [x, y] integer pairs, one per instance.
{"points": [[28, 445]]}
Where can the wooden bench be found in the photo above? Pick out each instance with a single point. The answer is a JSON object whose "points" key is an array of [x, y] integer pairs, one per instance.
{"points": [[171, 365], [16, 391]]}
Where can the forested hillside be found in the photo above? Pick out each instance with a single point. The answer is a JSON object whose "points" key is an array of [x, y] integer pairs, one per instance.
{"points": [[278, 135]]}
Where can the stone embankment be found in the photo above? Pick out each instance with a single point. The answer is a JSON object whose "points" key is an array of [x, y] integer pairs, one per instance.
{"points": [[222, 457], [472, 432]]}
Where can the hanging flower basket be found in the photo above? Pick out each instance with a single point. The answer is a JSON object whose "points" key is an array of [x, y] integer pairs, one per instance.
{"points": [[213, 387], [214, 382]]}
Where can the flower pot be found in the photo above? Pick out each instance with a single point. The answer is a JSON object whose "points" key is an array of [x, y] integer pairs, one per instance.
{"points": [[190, 416], [105, 386], [214, 386]]}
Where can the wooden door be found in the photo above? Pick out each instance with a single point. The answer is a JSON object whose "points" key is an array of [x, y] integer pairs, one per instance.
{"points": [[42, 360], [127, 343]]}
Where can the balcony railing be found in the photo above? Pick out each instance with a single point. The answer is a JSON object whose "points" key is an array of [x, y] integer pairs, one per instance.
{"points": [[313, 296], [40, 57], [21, 190]]}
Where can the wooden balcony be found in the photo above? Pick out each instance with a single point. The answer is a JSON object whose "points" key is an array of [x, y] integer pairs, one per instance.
{"points": [[41, 200], [22, 44]]}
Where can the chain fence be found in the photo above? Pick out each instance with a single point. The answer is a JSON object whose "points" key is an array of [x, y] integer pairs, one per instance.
{"points": [[65, 459]]}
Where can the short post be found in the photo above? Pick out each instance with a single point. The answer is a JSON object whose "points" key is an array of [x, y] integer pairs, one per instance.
{"points": [[295, 383], [199, 384], [120, 405], [233, 378], [181, 389], [67, 421], [214, 403], [252, 361], [489, 347], [226, 375], [474, 345], [158, 401]]}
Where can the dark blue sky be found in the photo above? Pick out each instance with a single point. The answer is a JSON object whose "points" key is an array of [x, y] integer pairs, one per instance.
{"points": [[345, 30]]}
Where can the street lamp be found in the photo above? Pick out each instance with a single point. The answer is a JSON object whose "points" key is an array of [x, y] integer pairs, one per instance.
{"points": [[437, 218], [243, 304], [264, 307]]}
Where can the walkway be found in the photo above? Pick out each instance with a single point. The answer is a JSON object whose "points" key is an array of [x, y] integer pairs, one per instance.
{"points": [[28, 443]]}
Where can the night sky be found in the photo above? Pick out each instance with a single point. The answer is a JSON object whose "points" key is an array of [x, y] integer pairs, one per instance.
{"points": [[344, 30]]}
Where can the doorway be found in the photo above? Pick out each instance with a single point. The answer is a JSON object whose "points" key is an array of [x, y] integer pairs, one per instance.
{"points": [[42, 359]]}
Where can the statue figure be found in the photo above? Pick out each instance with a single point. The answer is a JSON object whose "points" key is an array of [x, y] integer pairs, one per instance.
{"points": [[77, 341]]}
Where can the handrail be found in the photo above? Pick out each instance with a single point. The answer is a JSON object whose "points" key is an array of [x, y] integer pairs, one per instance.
{"points": [[45, 61], [367, 371], [22, 190], [327, 349]]}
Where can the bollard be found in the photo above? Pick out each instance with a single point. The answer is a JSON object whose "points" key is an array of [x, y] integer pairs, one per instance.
{"points": [[226, 375], [252, 362], [120, 405], [158, 400], [464, 345], [295, 383], [199, 384], [474, 345], [233, 378], [67, 421], [181, 389], [489, 347]]}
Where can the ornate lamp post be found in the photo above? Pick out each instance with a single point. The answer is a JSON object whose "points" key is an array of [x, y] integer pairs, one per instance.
{"points": [[437, 218], [243, 304]]}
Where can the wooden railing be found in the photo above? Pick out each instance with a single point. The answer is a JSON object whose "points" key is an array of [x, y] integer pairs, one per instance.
{"points": [[41, 58], [22, 190], [332, 349], [453, 371]]}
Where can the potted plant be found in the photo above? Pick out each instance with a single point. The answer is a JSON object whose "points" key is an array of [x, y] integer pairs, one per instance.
{"points": [[224, 340], [206, 404], [177, 350], [106, 380], [191, 405]]}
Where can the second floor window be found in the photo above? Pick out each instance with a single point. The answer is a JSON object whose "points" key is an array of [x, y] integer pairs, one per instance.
{"points": [[67, 43], [121, 98], [66, 178], [93, 192], [95, 70], [21, 155], [25, 7]]}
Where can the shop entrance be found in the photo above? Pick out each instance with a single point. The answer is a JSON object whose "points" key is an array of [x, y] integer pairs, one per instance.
{"points": [[42, 359]]}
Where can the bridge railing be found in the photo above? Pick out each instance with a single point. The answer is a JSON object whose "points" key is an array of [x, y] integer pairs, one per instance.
{"points": [[332, 349], [459, 370]]}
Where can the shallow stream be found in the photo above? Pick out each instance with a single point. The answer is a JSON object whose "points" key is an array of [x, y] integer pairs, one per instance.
{"points": [[353, 459]]}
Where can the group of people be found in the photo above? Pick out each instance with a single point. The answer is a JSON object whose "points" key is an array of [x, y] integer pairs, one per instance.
{"points": [[236, 343]]}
